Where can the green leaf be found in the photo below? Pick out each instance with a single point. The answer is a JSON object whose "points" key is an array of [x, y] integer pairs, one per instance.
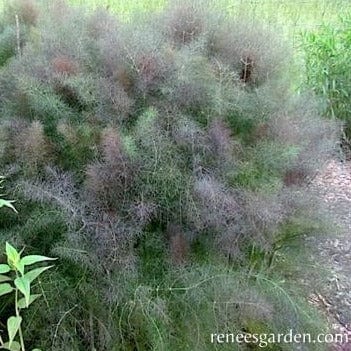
{"points": [[13, 324], [34, 273], [36, 350], [20, 267], [4, 268], [30, 259], [23, 285], [13, 257], [15, 346], [7, 203], [22, 302], [4, 278], [5, 288], [11, 252]]}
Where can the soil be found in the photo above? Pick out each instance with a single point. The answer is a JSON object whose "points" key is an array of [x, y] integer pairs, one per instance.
{"points": [[333, 186]]}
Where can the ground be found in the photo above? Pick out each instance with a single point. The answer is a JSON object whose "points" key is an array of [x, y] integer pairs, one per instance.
{"points": [[333, 186]]}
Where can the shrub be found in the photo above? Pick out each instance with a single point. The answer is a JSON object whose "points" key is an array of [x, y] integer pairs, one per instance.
{"points": [[6, 203], [16, 22], [27, 11], [32, 148], [247, 48], [184, 22], [164, 161], [112, 180], [7, 44]]}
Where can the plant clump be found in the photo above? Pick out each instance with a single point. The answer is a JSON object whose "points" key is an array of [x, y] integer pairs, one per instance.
{"points": [[165, 163]]}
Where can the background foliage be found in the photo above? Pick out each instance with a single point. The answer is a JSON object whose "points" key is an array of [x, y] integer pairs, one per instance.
{"points": [[327, 67]]}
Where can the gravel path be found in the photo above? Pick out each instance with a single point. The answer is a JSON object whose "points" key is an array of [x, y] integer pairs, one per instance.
{"points": [[333, 185]]}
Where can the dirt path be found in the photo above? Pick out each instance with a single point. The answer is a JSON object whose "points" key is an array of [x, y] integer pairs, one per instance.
{"points": [[333, 185]]}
